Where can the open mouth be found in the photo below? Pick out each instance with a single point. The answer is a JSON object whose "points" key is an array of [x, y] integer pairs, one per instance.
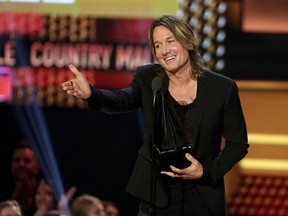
{"points": [[169, 58]]}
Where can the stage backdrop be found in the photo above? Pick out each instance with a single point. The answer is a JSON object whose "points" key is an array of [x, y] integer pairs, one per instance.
{"points": [[106, 40]]}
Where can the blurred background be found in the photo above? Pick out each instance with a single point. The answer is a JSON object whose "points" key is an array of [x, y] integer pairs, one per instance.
{"points": [[246, 40]]}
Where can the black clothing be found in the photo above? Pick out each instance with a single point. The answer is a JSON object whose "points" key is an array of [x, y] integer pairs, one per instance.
{"points": [[217, 113]]}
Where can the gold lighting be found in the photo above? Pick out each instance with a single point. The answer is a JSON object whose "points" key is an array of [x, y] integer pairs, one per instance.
{"points": [[207, 19]]}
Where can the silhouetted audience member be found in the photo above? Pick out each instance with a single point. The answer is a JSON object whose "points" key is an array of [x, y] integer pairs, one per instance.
{"points": [[10, 208], [26, 175], [47, 204], [111, 208], [87, 205], [44, 199]]}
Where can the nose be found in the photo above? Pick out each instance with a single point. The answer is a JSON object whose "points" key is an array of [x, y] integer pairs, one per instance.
{"points": [[165, 49], [21, 163]]}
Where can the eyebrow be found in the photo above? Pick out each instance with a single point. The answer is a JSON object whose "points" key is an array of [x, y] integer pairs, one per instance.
{"points": [[168, 38]]}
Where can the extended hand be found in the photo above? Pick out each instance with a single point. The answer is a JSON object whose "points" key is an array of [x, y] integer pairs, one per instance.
{"points": [[79, 87], [194, 171], [44, 199], [65, 199]]}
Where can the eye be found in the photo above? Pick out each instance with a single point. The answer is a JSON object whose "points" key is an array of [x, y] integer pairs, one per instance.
{"points": [[157, 46]]}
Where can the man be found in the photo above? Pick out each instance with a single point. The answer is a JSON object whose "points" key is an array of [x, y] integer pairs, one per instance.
{"points": [[180, 167], [26, 172]]}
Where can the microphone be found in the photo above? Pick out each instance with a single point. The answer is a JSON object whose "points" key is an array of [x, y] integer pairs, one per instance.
{"points": [[156, 87]]}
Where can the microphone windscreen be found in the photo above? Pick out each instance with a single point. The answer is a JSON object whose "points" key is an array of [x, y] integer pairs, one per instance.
{"points": [[156, 84]]}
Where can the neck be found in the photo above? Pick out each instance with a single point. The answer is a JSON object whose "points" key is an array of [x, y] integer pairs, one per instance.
{"points": [[180, 80], [181, 77]]}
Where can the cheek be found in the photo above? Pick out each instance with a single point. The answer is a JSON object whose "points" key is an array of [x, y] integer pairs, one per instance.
{"points": [[90, 212], [158, 54], [38, 199], [33, 169], [50, 202]]}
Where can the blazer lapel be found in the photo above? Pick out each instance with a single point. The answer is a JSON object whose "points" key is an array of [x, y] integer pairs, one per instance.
{"points": [[200, 103]]}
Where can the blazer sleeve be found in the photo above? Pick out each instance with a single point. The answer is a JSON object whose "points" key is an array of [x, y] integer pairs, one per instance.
{"points": [[116, 101], [235, 136]]}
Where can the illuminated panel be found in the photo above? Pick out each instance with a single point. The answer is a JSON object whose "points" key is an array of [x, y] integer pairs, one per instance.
{"points": [[265, 16], [99, 8], [279, 139], [5, 84], [264, 164], [106, 50]]}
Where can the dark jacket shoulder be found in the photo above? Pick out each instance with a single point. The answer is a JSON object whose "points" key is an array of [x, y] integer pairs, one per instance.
{"points": [[209, 74], [152, 69]]}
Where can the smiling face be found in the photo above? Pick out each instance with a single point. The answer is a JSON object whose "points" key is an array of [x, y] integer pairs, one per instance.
{"points": [[24, 164], [169, 52]]}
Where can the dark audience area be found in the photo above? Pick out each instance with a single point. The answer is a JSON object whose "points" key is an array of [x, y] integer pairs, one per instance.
{"points": [[92, 150]]}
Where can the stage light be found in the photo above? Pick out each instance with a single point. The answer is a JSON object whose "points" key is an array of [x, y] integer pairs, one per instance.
{"points": [[31, 120], [196, 23], [207, 2], [193, 21], [185, 3], [220, 64], [207, 19], [194, 6], [206, 57], [207, 14], [220, 37], [180, 12], [206, 43], [207, 28], [221, 22], [220, 50], [222, 6]]}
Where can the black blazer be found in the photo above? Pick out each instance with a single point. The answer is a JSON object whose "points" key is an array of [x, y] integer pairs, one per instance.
{"points": [[219, 113]]}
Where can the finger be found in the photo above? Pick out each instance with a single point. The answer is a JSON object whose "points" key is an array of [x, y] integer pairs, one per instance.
{"points": [[175, 170], [74, 69], [72, 92], [41, 186], [190, 158], [171, 174], [62, 202], [70, 193], [78, 94], [67, 84]]}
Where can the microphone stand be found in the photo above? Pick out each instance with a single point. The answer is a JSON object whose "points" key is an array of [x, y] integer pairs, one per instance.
{"points": [[156, 87], [153, 163]]}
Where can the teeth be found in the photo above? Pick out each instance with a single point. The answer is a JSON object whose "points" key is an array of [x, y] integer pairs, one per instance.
{"points": [[169, 58]]}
